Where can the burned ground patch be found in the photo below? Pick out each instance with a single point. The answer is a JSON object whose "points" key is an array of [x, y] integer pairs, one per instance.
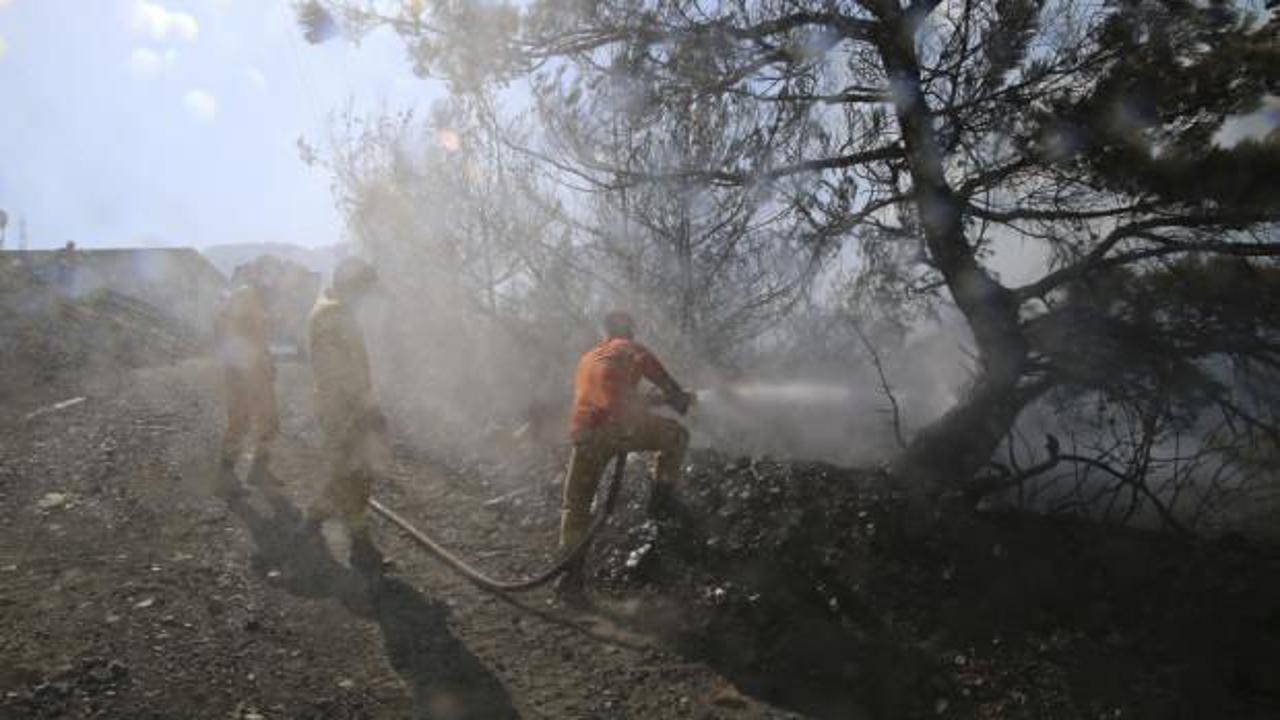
{"points": [[795, 580], [776, 588]]}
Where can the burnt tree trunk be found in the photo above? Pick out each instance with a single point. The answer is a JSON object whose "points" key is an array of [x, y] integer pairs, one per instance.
{"points": [[948, 453]]}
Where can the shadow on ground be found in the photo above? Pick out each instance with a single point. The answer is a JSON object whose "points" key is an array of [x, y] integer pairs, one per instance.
{"points": [[446, 680]]}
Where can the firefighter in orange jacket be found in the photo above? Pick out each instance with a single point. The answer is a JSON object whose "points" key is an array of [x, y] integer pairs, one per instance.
{"points": [[242, 335], [608, 418]]}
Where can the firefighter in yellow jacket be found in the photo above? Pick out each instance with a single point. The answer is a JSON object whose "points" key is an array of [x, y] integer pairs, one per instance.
{"points": [[353, 424], [242, 335]]}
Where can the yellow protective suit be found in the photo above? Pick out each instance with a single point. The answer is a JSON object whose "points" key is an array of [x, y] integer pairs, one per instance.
{"points": [[595, 447], [242, 335], [354, 430]]}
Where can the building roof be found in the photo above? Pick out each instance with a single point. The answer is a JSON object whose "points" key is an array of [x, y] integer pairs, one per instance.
{"points": [[149, 263]]}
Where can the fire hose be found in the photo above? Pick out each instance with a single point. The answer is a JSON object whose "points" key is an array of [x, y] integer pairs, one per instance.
{"points": [[490, 584]]}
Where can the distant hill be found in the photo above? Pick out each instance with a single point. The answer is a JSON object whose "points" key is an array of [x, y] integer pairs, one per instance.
{"points": [[227, 257]]}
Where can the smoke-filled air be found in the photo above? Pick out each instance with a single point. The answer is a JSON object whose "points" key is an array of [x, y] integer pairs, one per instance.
{"points": [[872, 359]]}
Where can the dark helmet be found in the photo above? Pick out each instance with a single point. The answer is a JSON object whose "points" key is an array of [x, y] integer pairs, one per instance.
{"points": [[620, 324], [353, 276]]}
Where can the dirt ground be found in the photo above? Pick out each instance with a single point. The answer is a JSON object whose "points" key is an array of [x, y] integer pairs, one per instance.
{"points": [[127, 590]]}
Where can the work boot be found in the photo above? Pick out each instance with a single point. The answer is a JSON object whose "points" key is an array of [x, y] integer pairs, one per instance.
{"points": [[570, 593], [312, 525], [663, 504], [225, 482], [570, 588], [260, 472], [365, 556]]}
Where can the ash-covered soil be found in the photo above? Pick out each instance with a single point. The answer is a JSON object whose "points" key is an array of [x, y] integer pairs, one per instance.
{"points": [[797, 581], [127, 590], [779, 589]]}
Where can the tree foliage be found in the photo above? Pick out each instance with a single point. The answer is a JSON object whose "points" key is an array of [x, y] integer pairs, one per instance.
{"points": [[936, 139]]}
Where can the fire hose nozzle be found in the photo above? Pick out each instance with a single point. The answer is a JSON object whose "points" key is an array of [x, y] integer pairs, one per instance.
{"points": [[658, 399]]}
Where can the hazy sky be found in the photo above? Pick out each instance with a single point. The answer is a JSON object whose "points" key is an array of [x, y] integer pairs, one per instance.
{"points": [[175, 122]]}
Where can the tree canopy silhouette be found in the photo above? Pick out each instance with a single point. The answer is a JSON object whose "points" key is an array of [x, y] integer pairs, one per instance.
{"points": [[934, 138]]}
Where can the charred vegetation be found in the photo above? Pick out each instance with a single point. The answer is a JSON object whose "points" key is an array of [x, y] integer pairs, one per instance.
{"points": [[973, 307]]}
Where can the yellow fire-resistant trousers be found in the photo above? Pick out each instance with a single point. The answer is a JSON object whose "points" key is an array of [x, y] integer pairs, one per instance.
{"points": [[356, 456], [251, 403], [592, 451]]}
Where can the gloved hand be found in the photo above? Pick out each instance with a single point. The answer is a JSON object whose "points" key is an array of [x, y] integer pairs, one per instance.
{"points": [[680, 401]]}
